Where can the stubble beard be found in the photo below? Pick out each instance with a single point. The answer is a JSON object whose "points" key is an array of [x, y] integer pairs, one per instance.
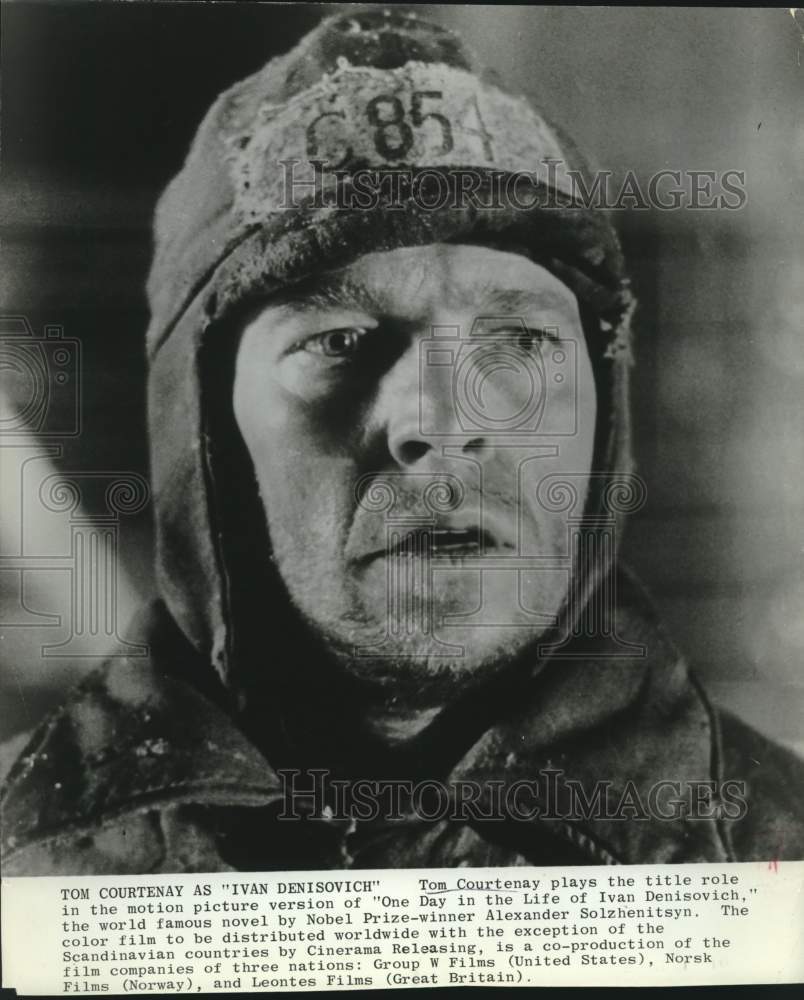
{"points": [[399, 665]]}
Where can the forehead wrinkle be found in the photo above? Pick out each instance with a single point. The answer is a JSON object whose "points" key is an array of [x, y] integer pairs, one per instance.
{"points": [[346, 290], [349, 291]]}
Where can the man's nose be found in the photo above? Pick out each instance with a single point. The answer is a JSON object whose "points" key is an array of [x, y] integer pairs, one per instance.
{"points": [[418, 409]]}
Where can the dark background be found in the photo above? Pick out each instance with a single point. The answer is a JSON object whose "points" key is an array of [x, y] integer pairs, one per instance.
{"points": [[99, 104]]}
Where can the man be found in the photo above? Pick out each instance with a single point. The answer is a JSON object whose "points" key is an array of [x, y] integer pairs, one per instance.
{"points": [[391, 458]]}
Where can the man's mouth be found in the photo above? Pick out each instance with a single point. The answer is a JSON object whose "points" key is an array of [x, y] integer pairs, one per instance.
{"points": [[460, 540], [444, 542], [452, 537]]}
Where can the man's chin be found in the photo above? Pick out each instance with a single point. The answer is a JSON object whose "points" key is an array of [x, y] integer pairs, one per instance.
{"points": [[425, 670], [425, 643]]}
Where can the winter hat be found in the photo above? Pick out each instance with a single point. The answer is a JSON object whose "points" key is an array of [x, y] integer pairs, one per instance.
{"points": [[379, 130]]}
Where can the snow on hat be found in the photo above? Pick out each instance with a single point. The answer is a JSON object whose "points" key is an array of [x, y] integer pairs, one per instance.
{"points": [[381, 91]]}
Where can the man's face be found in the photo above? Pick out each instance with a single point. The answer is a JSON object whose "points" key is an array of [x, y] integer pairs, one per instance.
{"points": [[400, 414]]}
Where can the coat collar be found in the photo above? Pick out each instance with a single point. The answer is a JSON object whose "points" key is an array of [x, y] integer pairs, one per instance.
{"points": [[129, 738], [132, 737], [639, 730]]}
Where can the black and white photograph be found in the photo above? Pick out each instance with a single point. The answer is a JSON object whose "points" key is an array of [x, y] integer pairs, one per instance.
{"points": [[401, 438]]}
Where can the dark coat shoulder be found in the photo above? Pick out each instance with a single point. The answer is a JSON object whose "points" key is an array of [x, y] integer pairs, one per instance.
{"points": [[772, 827]]}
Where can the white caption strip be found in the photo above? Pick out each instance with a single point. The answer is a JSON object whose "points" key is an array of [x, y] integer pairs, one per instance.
{"points": [[163, 934]]}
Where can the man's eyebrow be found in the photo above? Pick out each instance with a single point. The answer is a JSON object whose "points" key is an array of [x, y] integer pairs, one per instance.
{"points": [[323, 293], [512, 302]]}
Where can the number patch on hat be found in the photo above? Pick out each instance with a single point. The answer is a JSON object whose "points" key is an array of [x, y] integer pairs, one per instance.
{"points": [[393, 127], [419, 115]]}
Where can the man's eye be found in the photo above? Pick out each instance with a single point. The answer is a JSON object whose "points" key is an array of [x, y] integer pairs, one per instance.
{"points": [[535, 335], [342, 343], [528, 337]]}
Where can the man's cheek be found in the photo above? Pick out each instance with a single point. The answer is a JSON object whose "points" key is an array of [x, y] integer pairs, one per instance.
{"points": [[306, 504]]}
